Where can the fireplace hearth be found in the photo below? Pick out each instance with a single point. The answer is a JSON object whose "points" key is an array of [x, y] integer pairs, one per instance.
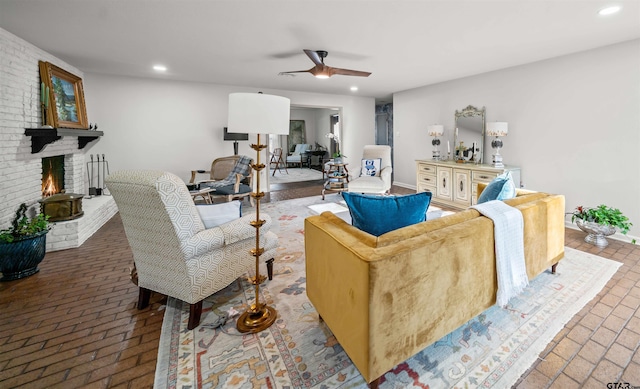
{"points": [[57, 204], [62, 206]]}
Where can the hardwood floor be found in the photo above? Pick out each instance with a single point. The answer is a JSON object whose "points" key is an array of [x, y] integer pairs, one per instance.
{"points": [[75, 323]]}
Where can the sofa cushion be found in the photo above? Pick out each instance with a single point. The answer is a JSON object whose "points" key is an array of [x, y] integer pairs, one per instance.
{"points": [[213, 215], [501, 188], [371, 167], [380, 214]]}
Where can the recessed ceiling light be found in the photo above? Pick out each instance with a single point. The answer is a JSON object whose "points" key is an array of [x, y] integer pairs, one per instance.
{"points": [[160, 68], [354, 88], [609, 10]]}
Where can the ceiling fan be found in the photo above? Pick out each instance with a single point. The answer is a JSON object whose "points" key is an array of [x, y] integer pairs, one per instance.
{"points": [[323, 71]]}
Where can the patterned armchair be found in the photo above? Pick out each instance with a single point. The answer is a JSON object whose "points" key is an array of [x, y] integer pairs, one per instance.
{"points": [[173, 252], [299, 155]]}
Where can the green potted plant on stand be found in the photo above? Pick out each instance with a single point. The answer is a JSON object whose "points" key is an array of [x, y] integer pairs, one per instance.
{"points": [[22, 246], [600, 222]]}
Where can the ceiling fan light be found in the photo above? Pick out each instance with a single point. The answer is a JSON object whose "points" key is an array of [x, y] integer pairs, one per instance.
{"points": [[322, 75], [610, 10]]}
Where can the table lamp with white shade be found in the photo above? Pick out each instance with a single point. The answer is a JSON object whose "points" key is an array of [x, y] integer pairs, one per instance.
{"points": [[436, 130], [257, 113], [497, 129]]}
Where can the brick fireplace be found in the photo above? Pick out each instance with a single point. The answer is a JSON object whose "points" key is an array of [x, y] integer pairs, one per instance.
{"points": [[20, 167]]}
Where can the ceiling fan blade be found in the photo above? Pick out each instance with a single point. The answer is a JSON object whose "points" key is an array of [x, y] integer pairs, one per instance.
{"points": [[348, 72], [297, 71], [315, 57]]}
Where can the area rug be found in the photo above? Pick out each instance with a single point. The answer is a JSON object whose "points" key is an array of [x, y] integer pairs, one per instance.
{"points": [[294, 175], [492, 350]]}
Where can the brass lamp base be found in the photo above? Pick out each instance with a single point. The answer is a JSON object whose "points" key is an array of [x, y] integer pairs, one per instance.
{"points": [[256, 319]]}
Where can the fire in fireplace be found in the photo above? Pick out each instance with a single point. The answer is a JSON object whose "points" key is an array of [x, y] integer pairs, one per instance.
{"points": [[52, 175], [59, 206]]}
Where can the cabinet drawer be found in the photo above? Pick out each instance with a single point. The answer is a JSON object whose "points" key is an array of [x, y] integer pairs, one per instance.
{"points": [[427, 179], [428, 169], [483, 176], [427, 188]]}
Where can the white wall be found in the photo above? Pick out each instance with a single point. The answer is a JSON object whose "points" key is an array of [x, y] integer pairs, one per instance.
{"points": [[310, 122], [177, 126], [323, 124], [574, 124]]}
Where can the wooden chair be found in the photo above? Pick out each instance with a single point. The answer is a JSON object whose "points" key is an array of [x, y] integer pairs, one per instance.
{"points": [[276, 158], [231, 177], [220, 169]]}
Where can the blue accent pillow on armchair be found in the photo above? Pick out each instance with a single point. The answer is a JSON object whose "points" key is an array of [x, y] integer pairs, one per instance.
{"points": [[380, 214], [501, 188]]}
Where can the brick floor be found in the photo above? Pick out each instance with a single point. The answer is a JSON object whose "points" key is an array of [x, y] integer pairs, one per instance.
{"points": [[74, 324]]}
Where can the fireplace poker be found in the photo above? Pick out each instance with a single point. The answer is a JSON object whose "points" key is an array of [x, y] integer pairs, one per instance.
{"points": [[92, 189], [105, 172], [99, 187]]}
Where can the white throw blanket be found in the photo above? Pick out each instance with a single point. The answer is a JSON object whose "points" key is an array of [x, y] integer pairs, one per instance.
{"points": [[509, 245]]}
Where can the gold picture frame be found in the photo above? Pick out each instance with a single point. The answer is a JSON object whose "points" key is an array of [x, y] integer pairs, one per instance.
{"points": [[65, 107]]}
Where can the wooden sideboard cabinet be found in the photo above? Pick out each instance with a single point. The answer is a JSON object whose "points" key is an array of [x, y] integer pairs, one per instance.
{"points": [[456, 184]]}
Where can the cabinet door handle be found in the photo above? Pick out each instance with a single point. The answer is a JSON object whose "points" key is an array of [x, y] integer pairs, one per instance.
{"points": [[444, 182], [485, 177], [461, 186]]}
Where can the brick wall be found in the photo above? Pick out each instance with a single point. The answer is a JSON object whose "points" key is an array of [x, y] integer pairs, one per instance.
{"points": [[20, 170]]}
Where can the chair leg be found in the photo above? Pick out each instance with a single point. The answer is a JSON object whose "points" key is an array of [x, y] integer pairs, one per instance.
{"points": [[270, 269], [144, 295], [195, 311]]}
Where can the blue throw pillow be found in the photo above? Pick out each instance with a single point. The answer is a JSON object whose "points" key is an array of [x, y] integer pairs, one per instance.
{"points": [[380, 214], [501, 188]]}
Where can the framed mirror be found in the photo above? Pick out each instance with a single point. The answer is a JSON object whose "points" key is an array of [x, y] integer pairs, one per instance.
{"points": [[468, 135]]}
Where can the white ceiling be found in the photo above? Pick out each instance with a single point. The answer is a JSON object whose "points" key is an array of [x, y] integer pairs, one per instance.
{"points": [[405, 44]]}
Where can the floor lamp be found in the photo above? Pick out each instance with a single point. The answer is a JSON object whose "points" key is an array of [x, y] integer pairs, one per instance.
{"points": [[257, 113]]}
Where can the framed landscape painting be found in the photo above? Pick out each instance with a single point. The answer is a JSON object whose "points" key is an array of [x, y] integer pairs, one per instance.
{"points": [[296, 133], [66, 108]]}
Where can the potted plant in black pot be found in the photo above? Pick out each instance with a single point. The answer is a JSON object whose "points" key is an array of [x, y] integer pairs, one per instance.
{"points": [[600, 222], [22, 246]]}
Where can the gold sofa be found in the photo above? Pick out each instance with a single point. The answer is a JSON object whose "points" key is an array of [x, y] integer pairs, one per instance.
{"points": [[386, 298]]}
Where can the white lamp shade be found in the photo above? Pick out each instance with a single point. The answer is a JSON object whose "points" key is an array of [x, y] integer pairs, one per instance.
{"points": [[257, 113], [435, 129], [497, 128]]}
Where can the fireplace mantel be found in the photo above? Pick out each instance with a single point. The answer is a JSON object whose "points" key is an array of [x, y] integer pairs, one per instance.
{"points": [[40, 137]]}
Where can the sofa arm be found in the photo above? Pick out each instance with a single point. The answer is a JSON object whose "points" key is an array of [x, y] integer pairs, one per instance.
{"points": [[385, 173], [226, 234], [241, 229]]}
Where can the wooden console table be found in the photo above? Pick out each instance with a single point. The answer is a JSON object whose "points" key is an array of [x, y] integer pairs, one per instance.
{"points": [[456, 184]]}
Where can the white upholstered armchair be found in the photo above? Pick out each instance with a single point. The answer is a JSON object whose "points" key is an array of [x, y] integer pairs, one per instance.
{"points": [[174, 253], [299, 155], [373, 180]]}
